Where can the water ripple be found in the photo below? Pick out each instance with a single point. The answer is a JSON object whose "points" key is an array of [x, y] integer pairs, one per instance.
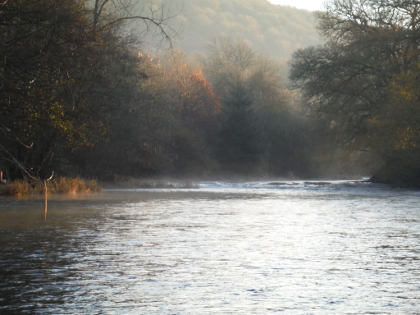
{"points": [[306, 247]]}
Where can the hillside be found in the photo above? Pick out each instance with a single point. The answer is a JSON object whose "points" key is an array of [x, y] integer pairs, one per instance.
{"points": [[275, 30]]}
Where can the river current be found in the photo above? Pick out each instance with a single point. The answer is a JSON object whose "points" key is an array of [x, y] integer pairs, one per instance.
{"points": [[337, 247]]}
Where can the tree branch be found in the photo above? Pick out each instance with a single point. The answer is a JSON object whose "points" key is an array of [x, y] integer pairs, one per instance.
{"points": [[158, 23]]}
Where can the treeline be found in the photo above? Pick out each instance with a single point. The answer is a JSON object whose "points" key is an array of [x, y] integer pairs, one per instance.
{"points": [[363, 84], [78, 97]]}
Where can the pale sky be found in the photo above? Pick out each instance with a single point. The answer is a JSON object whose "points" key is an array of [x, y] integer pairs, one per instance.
{"points": [[312, 5]]}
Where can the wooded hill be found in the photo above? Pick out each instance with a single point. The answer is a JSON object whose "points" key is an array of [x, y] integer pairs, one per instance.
{"points": [[275, 30]]}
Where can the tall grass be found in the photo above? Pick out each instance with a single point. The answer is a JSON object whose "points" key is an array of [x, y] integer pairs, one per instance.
{"points": [[61, 185], [74, 185], [20, 188]]}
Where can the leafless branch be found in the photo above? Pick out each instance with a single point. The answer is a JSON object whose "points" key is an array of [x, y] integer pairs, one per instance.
{"points": [[6, 132], [10, 158], [158, 23]]}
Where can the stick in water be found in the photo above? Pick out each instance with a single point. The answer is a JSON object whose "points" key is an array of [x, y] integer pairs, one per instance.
{"points": [[46, 200], [46, 195]]}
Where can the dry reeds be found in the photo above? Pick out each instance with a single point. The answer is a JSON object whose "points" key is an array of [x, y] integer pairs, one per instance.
{"points": [[21, 188], [61, 185], [74, 185]]}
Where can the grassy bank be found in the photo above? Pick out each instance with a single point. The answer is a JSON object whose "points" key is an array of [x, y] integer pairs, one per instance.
{"points": [[60, 185]]}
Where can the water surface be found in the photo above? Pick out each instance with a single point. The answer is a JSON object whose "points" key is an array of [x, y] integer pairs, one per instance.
{"points": [[341, 247]]}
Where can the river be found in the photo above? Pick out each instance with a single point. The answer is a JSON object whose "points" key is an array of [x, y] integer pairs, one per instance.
{"points": [[337, 247]]}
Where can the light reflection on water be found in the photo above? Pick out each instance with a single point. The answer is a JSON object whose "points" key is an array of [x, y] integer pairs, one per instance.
{"points": [[299, 247]]}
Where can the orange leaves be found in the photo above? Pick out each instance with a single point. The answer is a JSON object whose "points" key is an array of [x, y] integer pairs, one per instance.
{"points": [[190, 91], [201, 98]]}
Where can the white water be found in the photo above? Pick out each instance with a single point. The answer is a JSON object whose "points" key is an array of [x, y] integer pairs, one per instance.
{"points": [[338, 247]]}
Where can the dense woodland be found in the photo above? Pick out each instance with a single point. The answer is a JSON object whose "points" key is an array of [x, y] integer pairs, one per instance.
{"points": [[79, 96]]}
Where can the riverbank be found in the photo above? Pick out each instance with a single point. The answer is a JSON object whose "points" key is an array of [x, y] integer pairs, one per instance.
{"points": [[77, 185], [401, 179], [133, 182]]}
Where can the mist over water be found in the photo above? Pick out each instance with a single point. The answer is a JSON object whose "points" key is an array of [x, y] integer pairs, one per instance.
{"points": [[258, 247]]}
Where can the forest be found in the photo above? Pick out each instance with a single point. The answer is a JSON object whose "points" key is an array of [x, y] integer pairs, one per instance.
{"points": [[80, 97]]}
